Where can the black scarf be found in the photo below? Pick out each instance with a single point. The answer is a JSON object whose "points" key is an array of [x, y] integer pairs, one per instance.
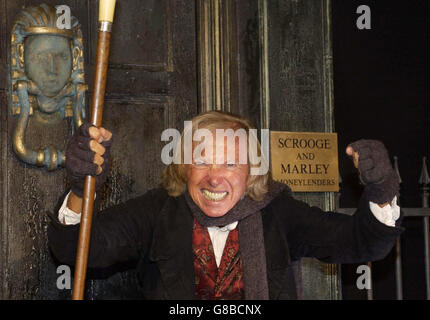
{"points": [[251, 240]]}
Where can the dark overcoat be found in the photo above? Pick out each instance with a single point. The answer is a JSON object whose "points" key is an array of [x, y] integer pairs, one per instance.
{"points": [[155, 230]]}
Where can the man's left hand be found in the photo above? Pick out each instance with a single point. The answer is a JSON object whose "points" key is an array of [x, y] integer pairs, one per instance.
{"points": [[371, 159]]}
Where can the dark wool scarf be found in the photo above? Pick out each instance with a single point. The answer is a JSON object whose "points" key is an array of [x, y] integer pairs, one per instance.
{"points": [[251, 240]]}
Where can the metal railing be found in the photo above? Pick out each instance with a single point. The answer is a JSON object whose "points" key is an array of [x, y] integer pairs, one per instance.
{"points": [[424, 213]]}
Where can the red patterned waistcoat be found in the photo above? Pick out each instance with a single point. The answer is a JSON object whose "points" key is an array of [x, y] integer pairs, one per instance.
{"points": [[212, 282]]}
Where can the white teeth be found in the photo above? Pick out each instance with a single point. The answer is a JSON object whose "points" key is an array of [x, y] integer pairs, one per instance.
{"points": [[214, 196]]}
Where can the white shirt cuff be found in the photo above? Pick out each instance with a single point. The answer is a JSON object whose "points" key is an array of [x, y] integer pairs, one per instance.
{"points": [[388, 214], [66, 215]]}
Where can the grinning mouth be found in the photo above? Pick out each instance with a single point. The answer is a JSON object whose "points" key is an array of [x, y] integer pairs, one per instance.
{"points": [[214, 196]]}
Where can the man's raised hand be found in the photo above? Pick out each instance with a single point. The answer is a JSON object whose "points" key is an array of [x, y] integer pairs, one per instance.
{"points": [[371, 159]]}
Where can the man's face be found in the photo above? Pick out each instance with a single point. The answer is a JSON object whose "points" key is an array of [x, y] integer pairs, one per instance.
{"points": [[214, 186], [48, 62]]}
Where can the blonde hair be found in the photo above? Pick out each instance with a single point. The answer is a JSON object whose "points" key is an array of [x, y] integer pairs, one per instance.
{"points": [[174, 176]]}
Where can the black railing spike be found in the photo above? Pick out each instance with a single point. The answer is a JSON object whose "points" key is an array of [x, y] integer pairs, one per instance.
{"points": [[396, 168], [424, 178]]}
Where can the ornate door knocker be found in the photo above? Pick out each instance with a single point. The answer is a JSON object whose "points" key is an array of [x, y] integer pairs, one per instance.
{"points": [[46, 77]]}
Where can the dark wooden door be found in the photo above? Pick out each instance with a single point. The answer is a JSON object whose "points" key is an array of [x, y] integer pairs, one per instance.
{"points": [[151, 86]]}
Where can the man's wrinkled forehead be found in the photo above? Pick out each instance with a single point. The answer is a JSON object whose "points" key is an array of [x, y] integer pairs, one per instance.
{"points": [[212, 126], [221, 146]]}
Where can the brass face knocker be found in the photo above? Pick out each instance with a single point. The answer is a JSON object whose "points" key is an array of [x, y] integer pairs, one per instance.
{"points": [[46, 78]]}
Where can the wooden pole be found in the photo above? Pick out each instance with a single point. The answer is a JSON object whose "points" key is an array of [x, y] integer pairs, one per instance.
{"points": [[106, 12]]}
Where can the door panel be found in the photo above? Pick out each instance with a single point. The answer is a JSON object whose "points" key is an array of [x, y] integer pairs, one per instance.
{"points": [[151, 86]]}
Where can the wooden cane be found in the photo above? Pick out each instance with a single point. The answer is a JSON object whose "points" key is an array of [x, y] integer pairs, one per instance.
{"points": [[106, 12]]}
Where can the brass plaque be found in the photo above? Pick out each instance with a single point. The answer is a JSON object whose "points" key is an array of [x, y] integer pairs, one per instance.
{"points": [[305, 161]]}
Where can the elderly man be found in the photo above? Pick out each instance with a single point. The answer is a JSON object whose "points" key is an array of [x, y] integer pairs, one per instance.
{"points": [[215, 231]]}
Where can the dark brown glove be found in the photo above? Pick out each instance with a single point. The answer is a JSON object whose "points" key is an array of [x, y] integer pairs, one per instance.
{"points": [[376, 172], [79, 160]]}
